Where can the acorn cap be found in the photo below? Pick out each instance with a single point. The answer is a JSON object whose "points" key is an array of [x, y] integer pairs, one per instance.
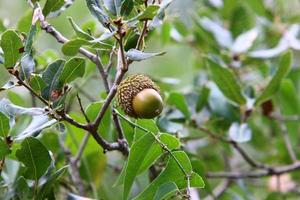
{"points": [[129, 88]]}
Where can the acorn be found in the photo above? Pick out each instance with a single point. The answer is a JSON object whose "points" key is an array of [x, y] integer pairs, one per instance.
{"points": [[139, 97]]}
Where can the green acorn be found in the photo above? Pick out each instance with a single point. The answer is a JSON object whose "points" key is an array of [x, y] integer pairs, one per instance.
{"points": [[139, 97]]}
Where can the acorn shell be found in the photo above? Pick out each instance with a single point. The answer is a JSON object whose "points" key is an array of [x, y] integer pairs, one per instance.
{"points": [[129, 88]]}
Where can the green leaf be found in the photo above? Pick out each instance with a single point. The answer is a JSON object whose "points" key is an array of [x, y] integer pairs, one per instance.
{"points": [[137, 55], [165, 190], [203, 98], [127, 7], [30, 38], [37, 83], [97, 10], [4, 149], [173, 173], [4, 125], [135, 159], [226, 82], [74, 68], [50, 183], [71, 47], [113, 6], [21, 188], [148, 13], [5, 76], [105, 126], [283, 69], [51, 77], [27, 66], [11, 45], [79, 32], [34, 156], [52, 6], [178, 100], [144, 152]]}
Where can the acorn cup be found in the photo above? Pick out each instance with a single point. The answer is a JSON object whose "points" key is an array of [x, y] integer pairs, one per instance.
{"points": [[139, 97]]}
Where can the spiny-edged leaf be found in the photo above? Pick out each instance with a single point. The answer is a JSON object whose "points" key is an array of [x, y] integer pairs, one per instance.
{"points": [[226, 82], [165, 190], [127, 7], [11, 45], [34, 155], [144, 152], [71, 47], [4, 125], [148, 13], [178, 100], [51, 78], [137, 55], [283, 69], [173, 173], [5, 76], [135, 159], [50, 182], [105, 126], [4, 149], [97, 10], [79, 32], [37, 83], [113, 6], [52, 6], [27, 66], [74, 68]]}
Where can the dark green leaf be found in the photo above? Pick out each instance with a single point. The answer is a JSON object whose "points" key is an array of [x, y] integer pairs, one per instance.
{"points": [[71, 47], [74, 68], [11, 45], [5, 76], [178, 100], [27, 66], [203, 98], [37, 83], [51, 78], [4, 149], [144, 152], [21, 188], [97, 10], [35, 157], [283, 69], [165, 190], [148, 13], [173, 173], [127, 7], [137, 55], [52, 6], [80, 33], [226, 82], [4, 125], [105, 126], [50, 183]]}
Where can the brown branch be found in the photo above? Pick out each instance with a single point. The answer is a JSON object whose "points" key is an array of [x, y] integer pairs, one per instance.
{"points": [[94, 58], [235, 145], [219, 190], [241, 175]]}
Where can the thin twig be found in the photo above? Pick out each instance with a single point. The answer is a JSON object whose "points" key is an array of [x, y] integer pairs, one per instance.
{"points": [[82, 109], [249, 174], [81, 148]]}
